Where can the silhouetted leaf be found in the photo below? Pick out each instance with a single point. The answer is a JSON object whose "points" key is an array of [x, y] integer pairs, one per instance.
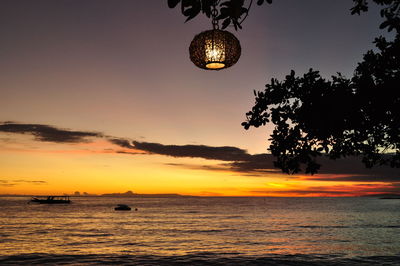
{"points": [[190, 8], [206, 7], [235, 25], [224, 13], [173, 3], [192, 12], [384, 24], [226, 23]]}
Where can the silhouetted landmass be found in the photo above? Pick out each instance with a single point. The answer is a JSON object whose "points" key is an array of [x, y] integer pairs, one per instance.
{"points": [[131, 194], [126, 194], [384, 196], [117, 195], [390, 197]]}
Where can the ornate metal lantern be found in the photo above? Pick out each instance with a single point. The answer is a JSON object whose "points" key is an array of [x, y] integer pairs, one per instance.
{"points": [[214, 49]]}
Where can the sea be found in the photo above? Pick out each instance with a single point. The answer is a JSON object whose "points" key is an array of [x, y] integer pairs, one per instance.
{"points": [[201, 231]]}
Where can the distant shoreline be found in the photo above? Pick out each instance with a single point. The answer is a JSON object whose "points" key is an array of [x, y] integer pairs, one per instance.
{"points": [[123, 195], [104, 196]]}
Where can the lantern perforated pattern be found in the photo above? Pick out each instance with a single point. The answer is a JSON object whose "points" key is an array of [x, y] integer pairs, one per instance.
{"points": [[214, 49]]}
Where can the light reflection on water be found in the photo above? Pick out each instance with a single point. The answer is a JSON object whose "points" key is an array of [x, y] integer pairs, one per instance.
{"points": [[346, 227]]}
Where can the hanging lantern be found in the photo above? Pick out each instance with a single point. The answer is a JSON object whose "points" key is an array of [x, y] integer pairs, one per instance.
{"points": [[214, 49]]}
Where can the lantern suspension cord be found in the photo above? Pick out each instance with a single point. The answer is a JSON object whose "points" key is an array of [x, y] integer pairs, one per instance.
{"points": [[214, 14]]}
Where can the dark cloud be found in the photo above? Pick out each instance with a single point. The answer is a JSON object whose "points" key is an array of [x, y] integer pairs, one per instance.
{"points": [[225, 153], [195, 151], [260, 163], [357, 178], [345, 169], [128, 152], [48, 133], [238, 160], [353, 165], [340, 190], [351, 169], [218, 167], [122, 142], [302, 192]]}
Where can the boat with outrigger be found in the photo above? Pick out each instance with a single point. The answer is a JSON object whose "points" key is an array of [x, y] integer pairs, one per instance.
{"points": [[122, 207], [51, 200]]}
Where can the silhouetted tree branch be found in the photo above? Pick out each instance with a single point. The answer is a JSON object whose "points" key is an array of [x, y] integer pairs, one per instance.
{"points": [[317, 117], [236, 11], [339, 117], [229, 11]]}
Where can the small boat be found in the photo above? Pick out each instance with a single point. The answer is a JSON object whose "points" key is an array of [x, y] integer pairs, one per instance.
{"points": [[51, 200], [122, 207]]}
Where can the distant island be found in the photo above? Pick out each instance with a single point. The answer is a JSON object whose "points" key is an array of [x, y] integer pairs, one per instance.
{"points": [[131, 194], [384, 196], [116, 195]]}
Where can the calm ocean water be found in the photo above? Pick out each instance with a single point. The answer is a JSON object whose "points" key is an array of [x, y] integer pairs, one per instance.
{"points": [[201, 231]]}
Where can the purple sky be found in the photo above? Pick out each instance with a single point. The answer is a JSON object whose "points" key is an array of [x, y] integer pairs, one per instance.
{"points": [[122, 67]]}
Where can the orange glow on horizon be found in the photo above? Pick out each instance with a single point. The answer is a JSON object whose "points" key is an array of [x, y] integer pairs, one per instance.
{"points": [[100, 167]]}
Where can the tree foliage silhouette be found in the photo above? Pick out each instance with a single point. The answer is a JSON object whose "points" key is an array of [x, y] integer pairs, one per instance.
{"points": [[340, 117], [230, 12]]}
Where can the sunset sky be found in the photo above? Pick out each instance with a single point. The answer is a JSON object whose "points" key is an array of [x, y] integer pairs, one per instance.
{"points": [[101, 96]]}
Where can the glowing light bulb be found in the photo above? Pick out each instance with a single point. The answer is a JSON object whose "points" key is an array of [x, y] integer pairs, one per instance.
{"points": [[215, 54]]}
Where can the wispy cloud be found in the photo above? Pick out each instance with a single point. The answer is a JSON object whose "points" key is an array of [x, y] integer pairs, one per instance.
{"points": [[11, 183], [48, 133]]}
